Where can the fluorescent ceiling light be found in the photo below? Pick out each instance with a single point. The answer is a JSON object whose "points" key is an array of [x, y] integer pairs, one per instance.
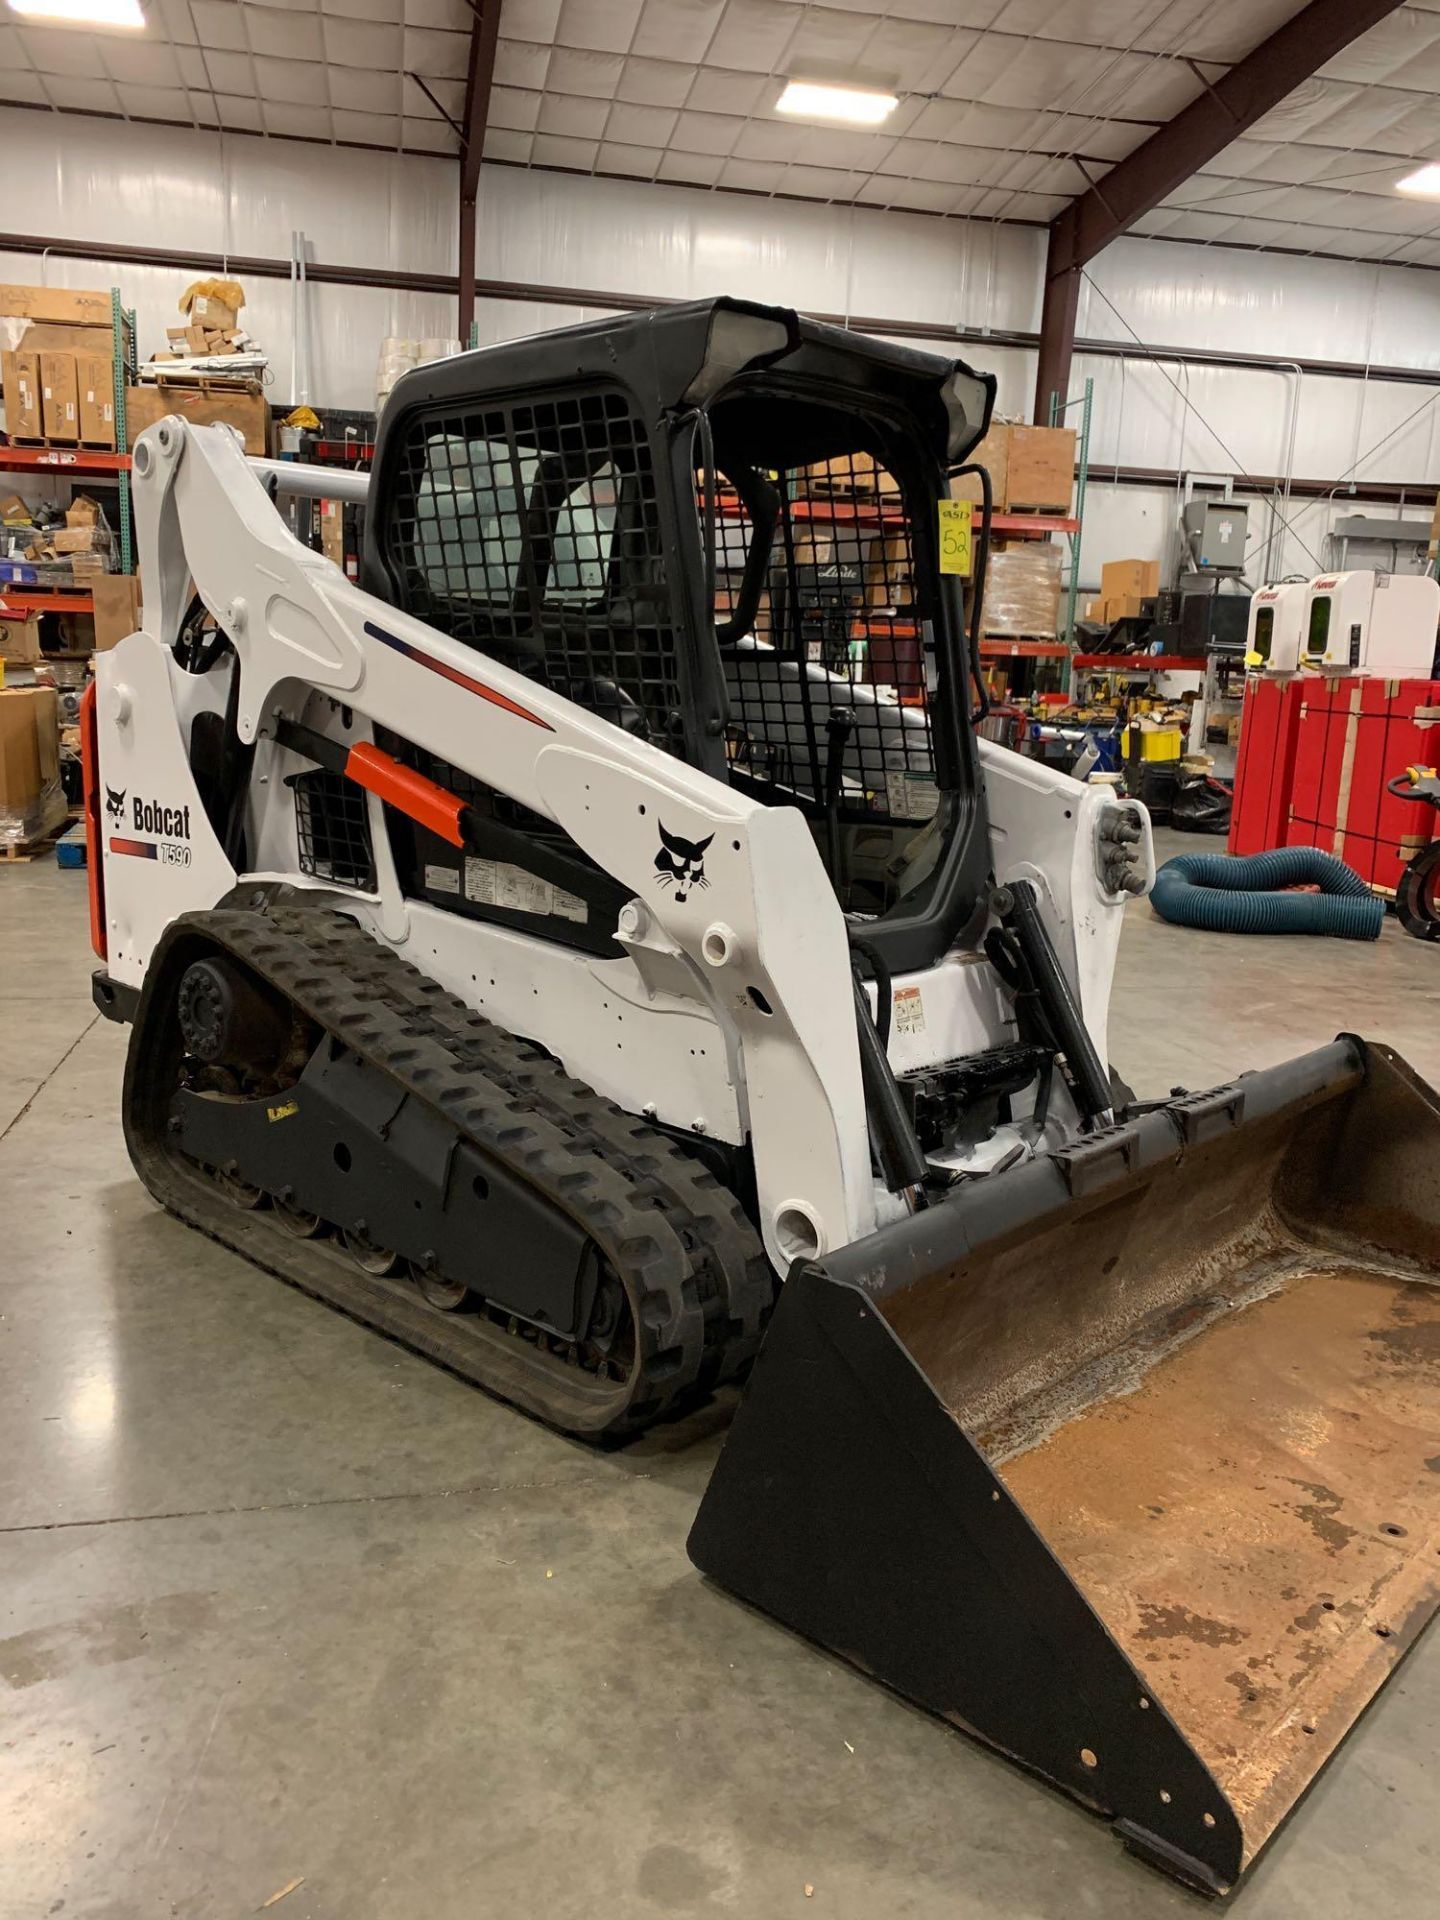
{"points": [[1426, 181], [83, 13], [820, 100]]}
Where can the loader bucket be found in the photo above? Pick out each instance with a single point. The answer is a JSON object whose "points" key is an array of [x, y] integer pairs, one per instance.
{"points": [[1125, 1461]]}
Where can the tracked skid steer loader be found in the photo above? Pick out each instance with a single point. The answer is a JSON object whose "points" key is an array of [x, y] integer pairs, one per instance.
{"points": [[605, 940]]}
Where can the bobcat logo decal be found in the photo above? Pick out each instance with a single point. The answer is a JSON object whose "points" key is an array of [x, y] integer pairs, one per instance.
{"points": [[115, 804], [681, 863]]}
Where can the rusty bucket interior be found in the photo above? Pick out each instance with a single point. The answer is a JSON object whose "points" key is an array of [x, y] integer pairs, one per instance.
{"points": [[1125, 1461], [1215, 1394]]}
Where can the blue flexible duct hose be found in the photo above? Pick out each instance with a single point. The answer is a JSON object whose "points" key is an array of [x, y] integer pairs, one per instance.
{"points": [[1224, 893]]}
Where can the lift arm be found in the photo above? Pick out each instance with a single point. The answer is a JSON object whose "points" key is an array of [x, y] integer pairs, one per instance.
{"points": [[761, 932]]}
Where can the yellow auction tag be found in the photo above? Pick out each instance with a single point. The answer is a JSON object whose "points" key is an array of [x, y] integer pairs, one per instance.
{"points": [[955, 547]]}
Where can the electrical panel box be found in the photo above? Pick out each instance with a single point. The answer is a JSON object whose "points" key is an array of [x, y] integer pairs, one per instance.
{"points": [[1375, 623], [1215, 535], [1277, 621]]}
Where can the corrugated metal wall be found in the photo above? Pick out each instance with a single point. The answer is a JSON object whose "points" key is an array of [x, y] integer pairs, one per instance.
{"points": [[151, 186]]}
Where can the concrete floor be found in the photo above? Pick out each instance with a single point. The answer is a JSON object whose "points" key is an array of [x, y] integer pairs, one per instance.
{"points": [[279, 1601]]}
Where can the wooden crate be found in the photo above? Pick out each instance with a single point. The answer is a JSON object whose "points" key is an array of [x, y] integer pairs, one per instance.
{"points": [[1041, 470], [248, 413], [993, 453], [854, 476]]}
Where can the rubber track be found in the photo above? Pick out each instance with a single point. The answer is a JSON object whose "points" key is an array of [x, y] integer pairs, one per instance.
{"points": [[692, 1261]]}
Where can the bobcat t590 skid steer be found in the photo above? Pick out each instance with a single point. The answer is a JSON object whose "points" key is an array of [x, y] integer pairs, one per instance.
{"points": [[606, 939]]}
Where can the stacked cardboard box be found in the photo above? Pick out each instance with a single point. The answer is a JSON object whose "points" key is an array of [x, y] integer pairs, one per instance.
{"points": [[19, 639], [57, 356], [1124, 585], [31, 800], [83, 548], [1022, 592], [211, 327]]}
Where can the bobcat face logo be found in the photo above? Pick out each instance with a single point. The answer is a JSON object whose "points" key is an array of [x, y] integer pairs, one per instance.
{"points": [[115, 803], [681, 863]]}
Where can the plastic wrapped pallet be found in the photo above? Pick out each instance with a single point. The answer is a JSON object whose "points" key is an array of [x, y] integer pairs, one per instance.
{"points": [[19, 825], [1022, 592]]}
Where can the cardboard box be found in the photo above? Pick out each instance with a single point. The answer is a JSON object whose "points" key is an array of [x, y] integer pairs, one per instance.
{"points": [[248, 413], [21, 375], [20, 640], [1129, 579], [215, 315], [1041, 468], [117, 608], [29, 744], [1125, 606], [851, 474], [61, 305], [59, 398], [14, 512], [993, 453], [889, 572], [93, 539], [86, 567], [95, 378], [84, 512], [332, 531]]}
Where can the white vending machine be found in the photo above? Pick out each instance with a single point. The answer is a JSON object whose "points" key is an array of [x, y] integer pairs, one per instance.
{"points": [[1374, 623], [1277, 621]]}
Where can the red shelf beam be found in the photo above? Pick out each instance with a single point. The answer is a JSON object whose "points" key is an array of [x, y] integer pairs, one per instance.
{"points": [[1139, 663], [1022, 650], [63, 460], [857, 513], [41, 600]]}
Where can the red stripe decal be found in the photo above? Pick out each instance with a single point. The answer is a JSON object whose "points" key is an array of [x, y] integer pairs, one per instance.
{"points": [[142, 849], [456, 676]]}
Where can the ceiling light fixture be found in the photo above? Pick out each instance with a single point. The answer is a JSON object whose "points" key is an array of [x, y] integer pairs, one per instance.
{"points": [[1426, 182], [824, 100], [82, 13]]}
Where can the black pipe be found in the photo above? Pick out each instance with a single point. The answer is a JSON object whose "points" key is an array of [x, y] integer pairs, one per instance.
{"points": [[837, 734], [1017, 908], [892, 1132], [884, 985]]}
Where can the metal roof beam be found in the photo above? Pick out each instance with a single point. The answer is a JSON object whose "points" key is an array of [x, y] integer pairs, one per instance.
{"points": [[1227, 107]]}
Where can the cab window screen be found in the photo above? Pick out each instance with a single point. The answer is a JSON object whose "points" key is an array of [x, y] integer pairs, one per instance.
{"points": [[531, 531], [1264, 631]]}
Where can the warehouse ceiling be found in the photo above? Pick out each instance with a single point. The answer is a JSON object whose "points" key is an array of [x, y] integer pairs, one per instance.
{"points": [[1008, 108]]}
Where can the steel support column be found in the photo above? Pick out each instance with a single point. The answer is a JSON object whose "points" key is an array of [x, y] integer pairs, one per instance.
{"points": [[479, 76]]}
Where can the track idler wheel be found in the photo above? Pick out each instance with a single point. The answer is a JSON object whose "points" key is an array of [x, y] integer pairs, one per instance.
{"points": [[295, 1220], [227, 1019], [380, 1261], [448, 1295]]}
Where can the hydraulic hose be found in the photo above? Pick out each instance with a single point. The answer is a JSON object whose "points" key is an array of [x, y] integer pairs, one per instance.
{"points": [[1226, 893]]}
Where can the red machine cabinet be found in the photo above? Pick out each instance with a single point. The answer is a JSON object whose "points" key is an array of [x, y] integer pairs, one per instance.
{"points": [[1265, 763], [1354, 734]]}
